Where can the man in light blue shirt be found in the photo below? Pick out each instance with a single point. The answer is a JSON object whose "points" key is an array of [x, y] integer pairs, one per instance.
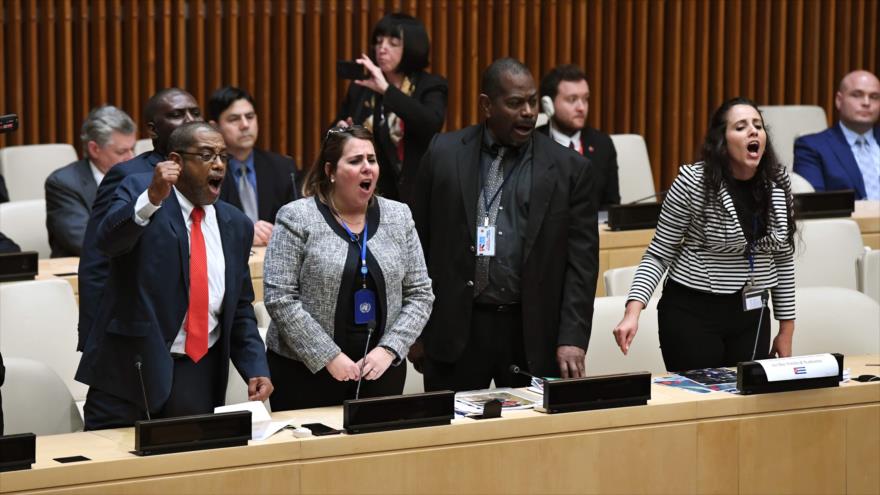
{"points": [[847, 155]]}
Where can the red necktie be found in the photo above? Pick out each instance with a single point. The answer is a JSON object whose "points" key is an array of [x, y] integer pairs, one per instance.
{"points": [[197, 316], [576, 148]]}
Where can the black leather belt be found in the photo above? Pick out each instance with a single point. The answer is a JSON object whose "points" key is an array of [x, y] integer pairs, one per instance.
{"points": [[498, 308]]}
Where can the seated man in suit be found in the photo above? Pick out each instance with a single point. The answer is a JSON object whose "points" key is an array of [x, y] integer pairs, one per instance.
{"points": [[258, 182], [565, 97], [165, 111], [178, 300], [108, 136], [846, 156]]}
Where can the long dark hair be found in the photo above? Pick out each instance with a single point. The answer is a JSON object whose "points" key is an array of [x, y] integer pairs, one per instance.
{"points": [[317, 181], [717, 168]]}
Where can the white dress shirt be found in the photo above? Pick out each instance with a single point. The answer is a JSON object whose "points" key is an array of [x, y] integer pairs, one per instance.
{"points": [[96, 173], [566, 140], [144, 210]]}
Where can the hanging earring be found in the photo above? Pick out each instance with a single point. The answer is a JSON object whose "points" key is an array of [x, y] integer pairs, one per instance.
{"points": [[332, 179]]}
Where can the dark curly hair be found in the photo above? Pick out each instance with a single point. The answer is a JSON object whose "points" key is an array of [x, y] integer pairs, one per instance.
{"points": [[717, 168]]}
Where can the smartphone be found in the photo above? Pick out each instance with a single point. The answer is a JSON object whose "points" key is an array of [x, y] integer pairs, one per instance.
{"points": [[320, 429], [348, 69]]}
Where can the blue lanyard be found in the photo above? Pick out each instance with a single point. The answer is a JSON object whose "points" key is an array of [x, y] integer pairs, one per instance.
{"points": [[488, 204], [362, 245]]}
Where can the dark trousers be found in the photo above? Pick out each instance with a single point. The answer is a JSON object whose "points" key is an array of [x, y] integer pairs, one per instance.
{"points": [[192, 392], [495, 342], [702, 330], [296, 387]]}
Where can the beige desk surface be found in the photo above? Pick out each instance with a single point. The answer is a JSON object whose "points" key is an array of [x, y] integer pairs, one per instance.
{"points": [[616, 249], [294, 463]]}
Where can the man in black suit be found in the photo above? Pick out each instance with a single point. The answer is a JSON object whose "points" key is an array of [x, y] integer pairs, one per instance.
{"points": [[507, 221], [565, 97], [108, 138], [165, 111], [258, 182], [179, 292]]}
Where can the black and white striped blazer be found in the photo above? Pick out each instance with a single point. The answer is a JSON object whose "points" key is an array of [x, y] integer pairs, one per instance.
{"points": [[707, 252]]}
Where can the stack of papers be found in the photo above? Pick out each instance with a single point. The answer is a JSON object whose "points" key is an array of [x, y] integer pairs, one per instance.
{"points": [[511, 399], [262, 426]]}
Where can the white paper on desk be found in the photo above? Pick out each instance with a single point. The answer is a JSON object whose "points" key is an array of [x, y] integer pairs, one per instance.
{"points": [[262, 426], [799, 367]]}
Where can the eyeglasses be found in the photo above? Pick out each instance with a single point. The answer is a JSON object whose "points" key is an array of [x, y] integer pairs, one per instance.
{"points": [[342, 130], [207, 156]]}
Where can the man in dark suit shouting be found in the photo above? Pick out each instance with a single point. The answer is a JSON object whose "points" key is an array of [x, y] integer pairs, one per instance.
{"points": [[178, 298], [507, 220]]}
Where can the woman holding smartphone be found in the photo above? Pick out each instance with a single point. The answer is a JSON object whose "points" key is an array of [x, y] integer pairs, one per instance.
{"points": [[398, 101]]}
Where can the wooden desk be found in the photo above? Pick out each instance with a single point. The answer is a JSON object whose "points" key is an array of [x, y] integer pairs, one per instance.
{"points": [[66, 268], [813, 441], [616, 249]]}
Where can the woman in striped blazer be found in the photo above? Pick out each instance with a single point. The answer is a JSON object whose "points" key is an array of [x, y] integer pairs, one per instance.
{"points": [[726, 236]]}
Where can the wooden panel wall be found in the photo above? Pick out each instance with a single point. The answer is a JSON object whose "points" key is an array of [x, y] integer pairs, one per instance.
{"points": [[656, 67]]}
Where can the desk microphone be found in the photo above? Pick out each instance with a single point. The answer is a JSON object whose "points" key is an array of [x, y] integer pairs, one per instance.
{"points": [[370, 326], [652, 196], [516, 370], [138, 364]]}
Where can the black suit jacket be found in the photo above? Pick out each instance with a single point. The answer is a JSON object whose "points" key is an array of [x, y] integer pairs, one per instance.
{"points": [[276, 184], [423, 115], [147, 297], [70, 192], [599, 149], [560, 255], [93, 265]]}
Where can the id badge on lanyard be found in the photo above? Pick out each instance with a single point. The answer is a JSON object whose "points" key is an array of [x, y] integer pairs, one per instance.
{"points": [[486, 239], [364, 298]]}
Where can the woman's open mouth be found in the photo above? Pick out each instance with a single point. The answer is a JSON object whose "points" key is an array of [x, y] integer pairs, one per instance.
{"points": [[753, 149]]}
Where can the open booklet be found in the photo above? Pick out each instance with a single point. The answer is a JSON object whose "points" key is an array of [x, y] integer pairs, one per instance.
{"points": [[262, 426]]}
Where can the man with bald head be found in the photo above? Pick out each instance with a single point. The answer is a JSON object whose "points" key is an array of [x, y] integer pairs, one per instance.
{"points": [[507, 220], [179, 293], [847, 155], [165, 111]]}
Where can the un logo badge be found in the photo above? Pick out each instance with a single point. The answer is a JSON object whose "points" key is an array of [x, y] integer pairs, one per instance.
{"points": [[365, 307]]}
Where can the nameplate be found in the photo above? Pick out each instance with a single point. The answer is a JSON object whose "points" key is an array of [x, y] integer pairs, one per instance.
{"points": [[17, 452], [824, 204], [787, 374], [186, 433], [398, 411], [18, 266], [596, 392], [632, 217], [799, 368]]}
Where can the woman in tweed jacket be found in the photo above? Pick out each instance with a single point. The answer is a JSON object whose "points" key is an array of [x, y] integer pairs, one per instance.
{"points": [[726, 235], [312, 271]]}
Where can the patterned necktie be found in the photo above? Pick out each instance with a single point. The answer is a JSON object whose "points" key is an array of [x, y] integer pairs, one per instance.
{"points": [[870, 168], [196, 325], [494, 181], [248, 195]]}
